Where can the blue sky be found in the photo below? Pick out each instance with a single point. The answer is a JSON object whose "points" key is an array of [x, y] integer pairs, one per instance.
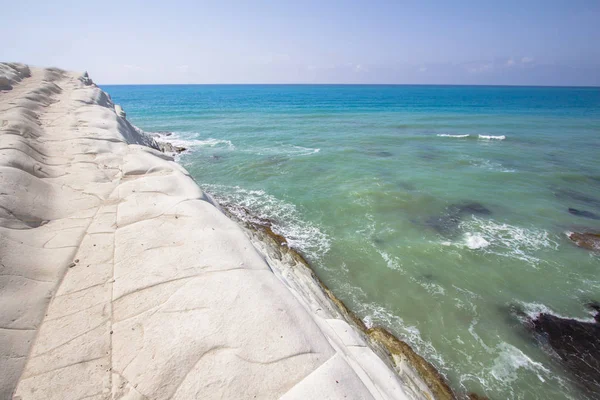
{"points": [[550, 42]]}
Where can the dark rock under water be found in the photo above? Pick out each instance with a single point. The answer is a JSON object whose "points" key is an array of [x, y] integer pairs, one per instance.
{"points": [[583, 213], [575, 344], [572, 195], [471, 208], [447, 224]]}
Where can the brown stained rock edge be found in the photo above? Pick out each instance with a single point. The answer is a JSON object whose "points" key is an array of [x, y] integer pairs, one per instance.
{"points": [[379, 337], [430, 375], [586, 240]]}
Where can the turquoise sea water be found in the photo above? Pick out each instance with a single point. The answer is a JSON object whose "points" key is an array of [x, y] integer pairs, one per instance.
{"points": [[430, 210]]}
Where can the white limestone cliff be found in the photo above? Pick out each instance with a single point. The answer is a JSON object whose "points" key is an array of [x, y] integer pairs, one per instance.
{"points": [[121, 279]]}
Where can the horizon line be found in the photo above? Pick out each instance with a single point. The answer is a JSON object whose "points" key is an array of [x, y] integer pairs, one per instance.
{"points": [[350, 84]]}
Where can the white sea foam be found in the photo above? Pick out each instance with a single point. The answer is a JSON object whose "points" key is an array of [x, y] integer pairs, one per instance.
{"points": [[484, 163], [282, 150], [195, 143], [181, 139], [507, 240], [433, 288], [257, 206], [452, 136], [475, 241], [392, 262], [491, 137], [510, 360], [533, 310]]}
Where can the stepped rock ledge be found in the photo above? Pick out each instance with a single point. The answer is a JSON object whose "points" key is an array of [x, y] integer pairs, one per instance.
{"points": [[121, 279]]}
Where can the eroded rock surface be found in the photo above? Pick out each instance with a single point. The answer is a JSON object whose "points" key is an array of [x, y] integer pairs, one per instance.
{"points": [[120, 279], [586, 240]]}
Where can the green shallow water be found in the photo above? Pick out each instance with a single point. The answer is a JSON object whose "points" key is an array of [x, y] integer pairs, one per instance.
{"points": [[362, 180]]}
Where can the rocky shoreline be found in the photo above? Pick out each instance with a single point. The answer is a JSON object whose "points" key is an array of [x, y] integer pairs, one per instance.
{"points": [[398, 354], [122, 279]]}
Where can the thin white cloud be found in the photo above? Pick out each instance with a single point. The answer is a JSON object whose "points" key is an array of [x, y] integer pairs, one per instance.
{"points": [[527, 60], [133, 67], [360, 68], [183, 68], [479, 68], [510, 62]]}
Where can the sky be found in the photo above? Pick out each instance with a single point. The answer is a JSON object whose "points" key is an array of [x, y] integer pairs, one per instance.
{"points": [[526, 42]]}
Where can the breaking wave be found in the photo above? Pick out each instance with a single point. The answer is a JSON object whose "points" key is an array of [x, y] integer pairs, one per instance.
{"points": [[491, 137], [466, 135], [506, 240], [452, 136], [259, 207]]}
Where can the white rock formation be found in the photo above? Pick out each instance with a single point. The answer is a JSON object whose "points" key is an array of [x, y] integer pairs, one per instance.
{"points": [[121, 280], [11, 73]]}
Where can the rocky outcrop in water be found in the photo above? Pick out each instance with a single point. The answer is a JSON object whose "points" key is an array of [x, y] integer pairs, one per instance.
{"points": [[167, 147], [583, 213], [586, 240], [575, 343]]}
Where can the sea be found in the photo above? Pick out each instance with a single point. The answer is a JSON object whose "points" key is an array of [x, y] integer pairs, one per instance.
{"points": [[434, 211]]}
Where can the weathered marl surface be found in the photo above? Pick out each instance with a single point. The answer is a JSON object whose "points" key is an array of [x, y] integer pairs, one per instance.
{"points": [[120, 278]]}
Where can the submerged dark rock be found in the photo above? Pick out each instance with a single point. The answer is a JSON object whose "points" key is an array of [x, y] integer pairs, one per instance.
{"points": [[378, 241], [575, 343], [428, 276], [406, 186], [583, 213], [428, 156], [586, 240], [448, 223], [471, 208], [572, 195]]}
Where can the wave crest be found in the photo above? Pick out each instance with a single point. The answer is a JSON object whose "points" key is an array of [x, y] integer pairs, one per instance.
{"points": [[257, 206], [491, 137], [452, 136], [507, 240]]}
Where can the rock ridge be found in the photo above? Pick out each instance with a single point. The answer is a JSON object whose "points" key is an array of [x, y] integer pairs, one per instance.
{"points": [[121, 279]]}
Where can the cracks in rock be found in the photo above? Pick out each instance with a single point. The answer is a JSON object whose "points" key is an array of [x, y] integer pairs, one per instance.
{"points": [[37, 355], [77, 312], [212, 350], [26, 277], [165, 246], [132, 387], [81, 290], [107, 139], [152, 286], [7, 328], [277, 360], [165, 213], [28, 220], [182, 310], [63, 367], [90, 396]]}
